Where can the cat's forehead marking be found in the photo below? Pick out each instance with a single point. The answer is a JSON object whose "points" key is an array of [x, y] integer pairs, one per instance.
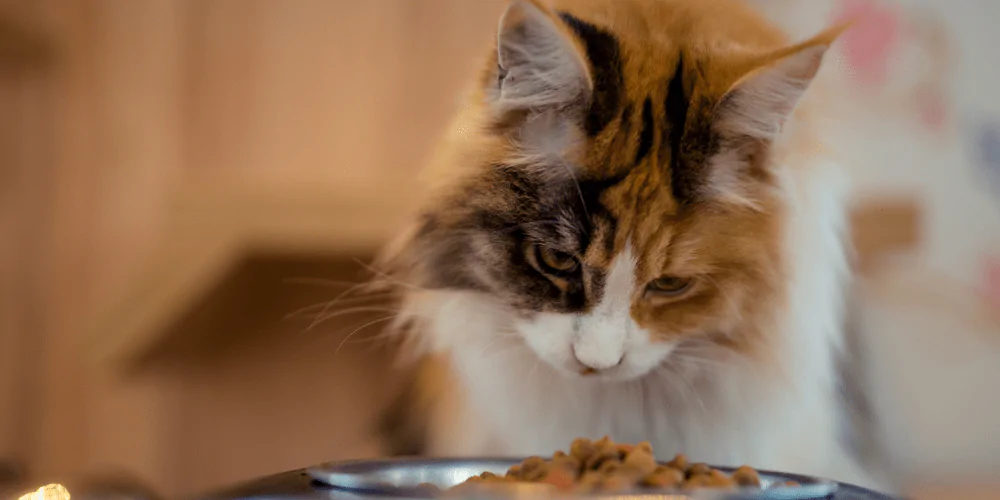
{"points": [[631, 212], [603, 50], [645, 133], [639, 110]]}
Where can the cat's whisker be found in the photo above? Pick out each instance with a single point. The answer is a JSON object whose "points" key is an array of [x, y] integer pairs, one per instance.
{"points": [[340, 300], [721, 359], [358, 286], [690, 389], [539, 222], [713, 348], [347, 311], [380, 339], [382, 275], [668, 375], [702, 351], [696, 363], [522, 225], [362, 327], [321, 282], [701, 363], [357, 309], [576, 184], [324, 307], [320, 306], [488, 345]]}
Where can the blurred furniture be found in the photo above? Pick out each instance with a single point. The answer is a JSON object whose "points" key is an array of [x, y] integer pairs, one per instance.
{"points": [[165, 173], [24, 55]]}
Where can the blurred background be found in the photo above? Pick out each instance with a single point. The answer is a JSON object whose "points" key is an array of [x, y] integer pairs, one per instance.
{"points": [[180, 180]]}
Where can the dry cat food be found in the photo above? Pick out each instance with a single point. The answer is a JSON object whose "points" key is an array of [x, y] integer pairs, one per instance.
{"points": [[605, 466]]}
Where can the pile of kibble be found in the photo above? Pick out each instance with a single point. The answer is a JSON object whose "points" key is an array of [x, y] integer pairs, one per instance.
{"points": [[604, 466]]}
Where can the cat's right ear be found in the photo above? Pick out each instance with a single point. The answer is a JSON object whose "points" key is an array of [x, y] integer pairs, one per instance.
{"points": [[539, 65]]}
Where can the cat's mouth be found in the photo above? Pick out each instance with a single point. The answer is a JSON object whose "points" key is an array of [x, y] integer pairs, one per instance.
{"points": [[596, 374], [624, 371]]}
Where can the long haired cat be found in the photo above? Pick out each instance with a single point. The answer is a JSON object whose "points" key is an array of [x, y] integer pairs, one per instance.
{"points": [[634, 231]]}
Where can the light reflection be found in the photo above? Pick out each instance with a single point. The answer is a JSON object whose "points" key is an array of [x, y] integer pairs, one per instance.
{"points": [[47, 492]]}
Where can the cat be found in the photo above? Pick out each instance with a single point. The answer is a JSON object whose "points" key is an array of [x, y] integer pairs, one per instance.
{"points": [[635, 230]]}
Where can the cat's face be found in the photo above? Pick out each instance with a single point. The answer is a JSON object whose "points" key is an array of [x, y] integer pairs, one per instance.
{"points": [[621, 201]]}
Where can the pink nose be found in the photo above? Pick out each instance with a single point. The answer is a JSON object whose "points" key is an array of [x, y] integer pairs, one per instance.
{"points": [[593, 366]]}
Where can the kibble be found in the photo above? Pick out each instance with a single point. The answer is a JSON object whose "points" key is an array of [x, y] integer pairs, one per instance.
{"points": [[609, 467], [699, 470], [663, 478], [747, 477]]}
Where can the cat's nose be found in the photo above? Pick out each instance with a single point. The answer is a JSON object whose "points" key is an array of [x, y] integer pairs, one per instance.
{"points": [[596, 361]]}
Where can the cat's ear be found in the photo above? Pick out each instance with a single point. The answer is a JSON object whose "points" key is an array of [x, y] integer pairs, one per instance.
{"points": [[538, 63], [759, 103]]}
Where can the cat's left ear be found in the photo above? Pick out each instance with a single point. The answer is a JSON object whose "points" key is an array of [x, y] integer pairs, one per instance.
{"points": [[539, 65], [759, 103]]}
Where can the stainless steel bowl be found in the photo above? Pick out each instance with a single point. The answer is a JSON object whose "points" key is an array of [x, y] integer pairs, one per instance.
{"points": [[402, 478]]}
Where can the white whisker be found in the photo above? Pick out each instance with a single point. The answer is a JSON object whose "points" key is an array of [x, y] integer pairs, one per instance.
{"points": [[388, 278], [358, 329], [350, 310], [325, 306], [330, 304], [323, 282], [576, 184]]}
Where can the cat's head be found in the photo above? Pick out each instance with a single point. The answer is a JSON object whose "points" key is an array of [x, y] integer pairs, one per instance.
{"points": [[613, 189]]}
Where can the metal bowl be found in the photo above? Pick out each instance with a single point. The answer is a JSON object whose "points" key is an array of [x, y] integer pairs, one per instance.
{"points": [[403, 478]]}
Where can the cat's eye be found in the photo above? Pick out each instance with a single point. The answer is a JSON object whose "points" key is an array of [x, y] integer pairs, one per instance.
{"points": [[554, 261], [669, 286]]}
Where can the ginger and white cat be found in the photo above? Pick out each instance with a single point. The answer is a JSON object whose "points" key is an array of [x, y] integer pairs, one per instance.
{"points": [[634, 232]]}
